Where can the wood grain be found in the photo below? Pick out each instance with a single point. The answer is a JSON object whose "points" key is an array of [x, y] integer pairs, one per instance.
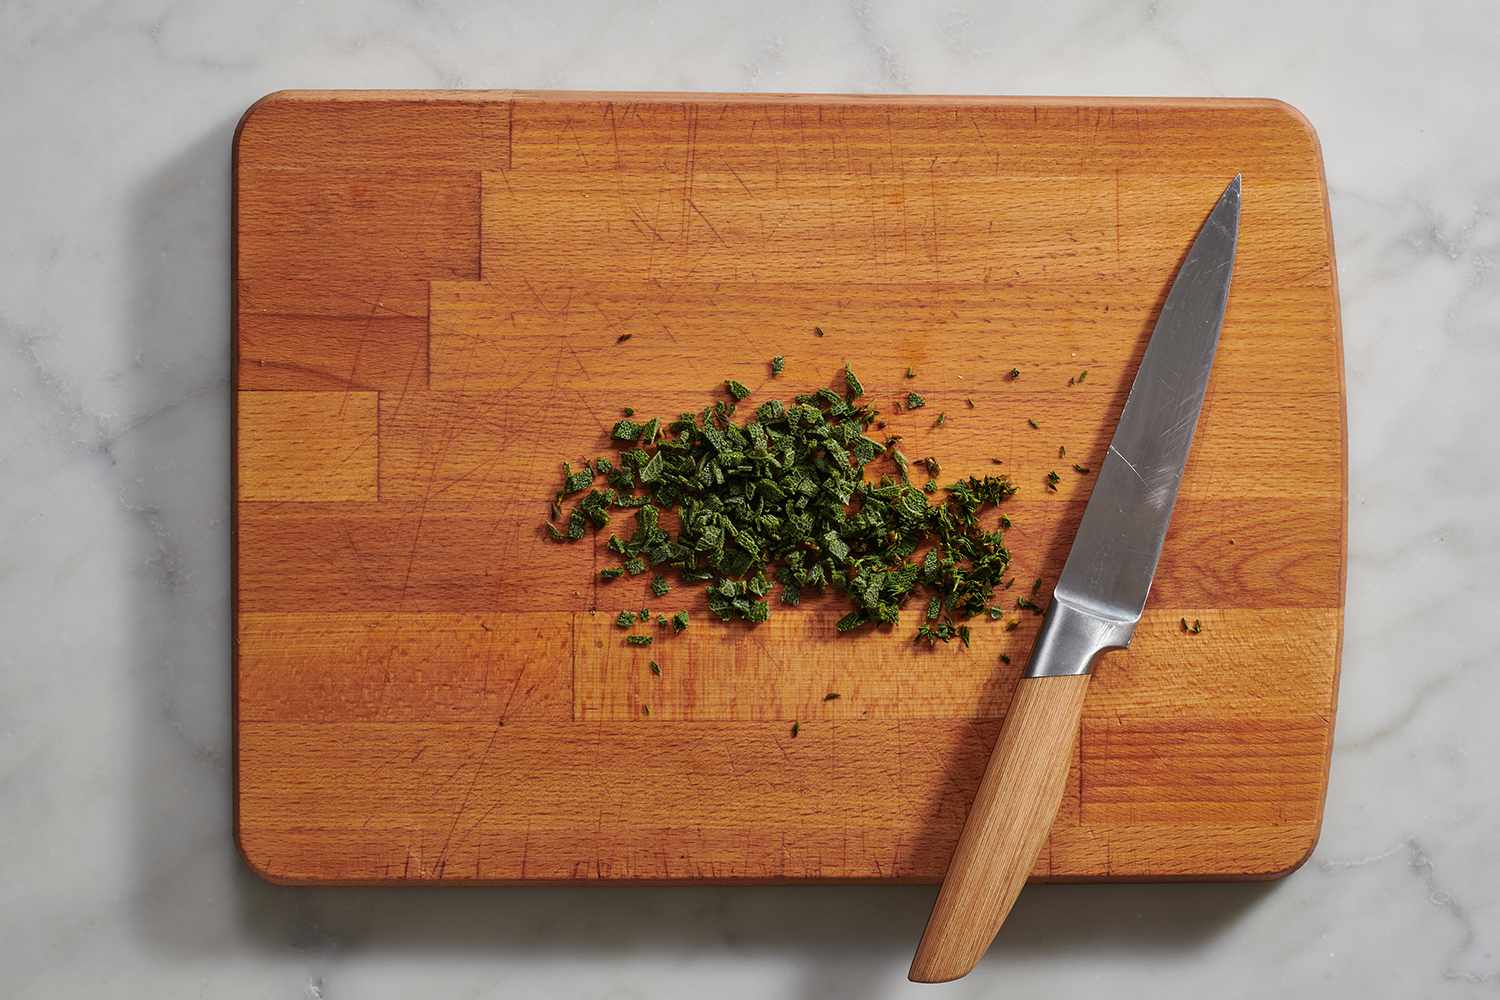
{"points": [[440, 297], [1013, 809]]}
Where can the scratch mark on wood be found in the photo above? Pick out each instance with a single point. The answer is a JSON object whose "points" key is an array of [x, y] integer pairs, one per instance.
{"points": [[736, 174], [710, 225]]}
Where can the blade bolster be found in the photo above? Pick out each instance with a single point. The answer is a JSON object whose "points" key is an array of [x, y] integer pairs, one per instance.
{"points": [[1071, 637]]}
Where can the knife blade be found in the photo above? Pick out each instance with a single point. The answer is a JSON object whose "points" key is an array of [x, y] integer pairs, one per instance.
{"points": [[1095, 606]]}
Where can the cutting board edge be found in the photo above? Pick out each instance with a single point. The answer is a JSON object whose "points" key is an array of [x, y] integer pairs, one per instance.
{"points": [[313, 95], [1337, 330], [262, 869]]}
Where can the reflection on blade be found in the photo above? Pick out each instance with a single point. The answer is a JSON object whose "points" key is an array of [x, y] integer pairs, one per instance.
{"points": [[1109, 569]]}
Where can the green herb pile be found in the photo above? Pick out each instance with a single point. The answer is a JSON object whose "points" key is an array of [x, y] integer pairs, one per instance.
{"points": [[785, 499]]}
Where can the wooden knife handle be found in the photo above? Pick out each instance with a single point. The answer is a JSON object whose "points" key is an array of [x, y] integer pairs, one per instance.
{"points": [[1007, 825]]}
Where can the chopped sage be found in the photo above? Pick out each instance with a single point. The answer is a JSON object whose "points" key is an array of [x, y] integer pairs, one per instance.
{"points": [[796, 498]]}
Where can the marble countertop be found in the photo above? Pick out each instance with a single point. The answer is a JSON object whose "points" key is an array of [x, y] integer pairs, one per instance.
{"points": [[118, 873]]}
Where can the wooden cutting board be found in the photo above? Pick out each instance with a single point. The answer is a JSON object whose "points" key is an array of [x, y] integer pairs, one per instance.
{"points": [[433, 295]]}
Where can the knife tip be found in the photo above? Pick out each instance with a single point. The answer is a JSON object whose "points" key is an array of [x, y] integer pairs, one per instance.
{"points": [[1230, 199]]}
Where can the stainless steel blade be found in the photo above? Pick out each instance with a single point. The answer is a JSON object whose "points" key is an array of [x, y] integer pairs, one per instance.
{"points": [[1104, 583]]}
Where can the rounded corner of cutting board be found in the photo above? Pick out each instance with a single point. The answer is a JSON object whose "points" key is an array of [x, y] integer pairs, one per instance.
{"points": [[1298, 121], [1280, 865], [257, 108]]}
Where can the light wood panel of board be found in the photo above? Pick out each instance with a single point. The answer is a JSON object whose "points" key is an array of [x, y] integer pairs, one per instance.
{"points": [[441, 296]]}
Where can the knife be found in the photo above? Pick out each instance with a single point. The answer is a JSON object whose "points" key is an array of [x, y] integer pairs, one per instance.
{"points": [[1096, 606]]}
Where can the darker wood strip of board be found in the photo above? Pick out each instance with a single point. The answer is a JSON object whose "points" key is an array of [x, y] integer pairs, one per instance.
{"points": [[407, 132], [513, 330], [393, 667], [423, 555], [849, 224], [352, 243], [438, 555], [380, 352]]}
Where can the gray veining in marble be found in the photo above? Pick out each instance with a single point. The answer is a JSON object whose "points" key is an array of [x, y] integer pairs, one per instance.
{"points": [[117, 875]]}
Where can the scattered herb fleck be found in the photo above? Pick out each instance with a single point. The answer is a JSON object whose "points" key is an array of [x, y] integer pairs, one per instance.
{"points": [[1062, 451], [623, 337], [1005, 659], [1083, 375], [1027, 604], [625, 619], [576, 482], [933, 468], [656, 668], [852, 383], [902, 465], [611, 573], [969, 402], [1013, 624], [796, 728], [1052, 480], [831, 696], [778, 364], [645, 709], [736, 389], [1013, 374], [639, 640], [929, 487], [679, 622], [941, 419], [628, 411], [1194, 629], [1082, 470], [943, 631], [645, 614], [914, 401], [817, 331], [660, 586], [910, 373]]}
